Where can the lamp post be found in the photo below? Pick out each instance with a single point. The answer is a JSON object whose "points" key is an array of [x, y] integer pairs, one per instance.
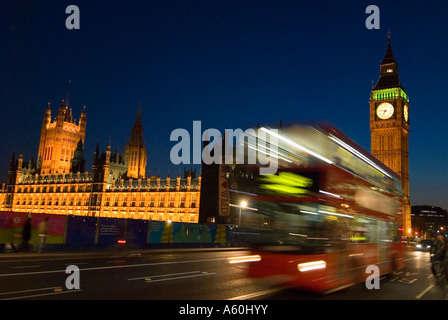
{"points": [[243, 204]]}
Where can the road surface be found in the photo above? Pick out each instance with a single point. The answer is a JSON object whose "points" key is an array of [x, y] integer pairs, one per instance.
{"points": [[180, 275]]}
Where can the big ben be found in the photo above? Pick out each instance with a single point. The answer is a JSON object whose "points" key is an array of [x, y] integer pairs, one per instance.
{"points": [[389, 125]]}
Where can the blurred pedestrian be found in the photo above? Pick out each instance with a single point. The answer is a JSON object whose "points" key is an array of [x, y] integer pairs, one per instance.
{"points": [[437, 256], [26, 234], [42, 232], [438, 249]]}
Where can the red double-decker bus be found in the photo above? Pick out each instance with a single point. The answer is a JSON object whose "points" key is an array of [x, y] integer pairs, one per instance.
{"points": [[329, 212]]}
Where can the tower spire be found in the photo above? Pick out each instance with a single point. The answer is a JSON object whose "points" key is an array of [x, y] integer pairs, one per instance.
{"points": [[68, 94], [389, 77], [388, 56], [139, 112]]}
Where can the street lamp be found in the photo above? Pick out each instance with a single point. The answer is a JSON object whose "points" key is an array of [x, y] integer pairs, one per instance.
{"points": [[243, 204]]}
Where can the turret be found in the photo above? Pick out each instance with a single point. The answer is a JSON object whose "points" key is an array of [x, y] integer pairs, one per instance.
{"points": [[60, 117], [45, 122], [83, 123]]}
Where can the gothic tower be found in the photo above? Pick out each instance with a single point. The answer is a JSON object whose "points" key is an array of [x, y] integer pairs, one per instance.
{"points": [[135, 151], [59, 140], [389, 125]]}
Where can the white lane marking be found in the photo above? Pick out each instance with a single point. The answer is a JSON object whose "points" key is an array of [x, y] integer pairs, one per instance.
{"points": [[43, 294], [112, 267], [421, 294], [257, 294], [181, 277], [163, 275], [30, 290], [23, 267]]}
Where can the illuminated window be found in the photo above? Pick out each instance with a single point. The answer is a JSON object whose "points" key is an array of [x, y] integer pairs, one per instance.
{"points": [[133, 200], [193, 201], [172, 200], [390, 70], [182, 200]]}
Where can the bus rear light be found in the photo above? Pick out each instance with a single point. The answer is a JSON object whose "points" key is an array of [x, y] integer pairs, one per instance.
{"points": [[312, 265], [241, 259]]}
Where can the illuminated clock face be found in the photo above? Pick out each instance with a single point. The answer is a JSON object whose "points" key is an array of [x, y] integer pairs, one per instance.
{"points": [[406, 113], [385, 110]]}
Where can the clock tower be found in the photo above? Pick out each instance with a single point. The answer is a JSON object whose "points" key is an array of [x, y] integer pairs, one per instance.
{"points": [[389, 125]]}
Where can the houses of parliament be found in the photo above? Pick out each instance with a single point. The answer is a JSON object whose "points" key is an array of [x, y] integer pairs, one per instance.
{"points": [[116, 186]]}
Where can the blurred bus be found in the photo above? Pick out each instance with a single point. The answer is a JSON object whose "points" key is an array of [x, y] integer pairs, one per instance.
{"points": [[331, 210]]}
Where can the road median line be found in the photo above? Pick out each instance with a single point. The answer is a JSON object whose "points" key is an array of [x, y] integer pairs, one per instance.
{"points": [[421, 294]]}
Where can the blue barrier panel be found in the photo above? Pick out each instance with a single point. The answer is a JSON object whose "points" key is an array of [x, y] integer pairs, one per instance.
{"points": [[111, 230], [136, 231], [81, 230]]}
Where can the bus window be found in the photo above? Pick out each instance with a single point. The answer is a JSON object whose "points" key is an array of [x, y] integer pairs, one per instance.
{"points": [[393, 229], [364, 230]]}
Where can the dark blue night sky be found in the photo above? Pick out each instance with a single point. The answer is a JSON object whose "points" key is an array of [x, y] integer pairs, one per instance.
{"points": [[229, 63]]}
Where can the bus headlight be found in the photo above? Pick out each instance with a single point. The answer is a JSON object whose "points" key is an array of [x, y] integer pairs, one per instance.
{"points": [[241, 259], [312, 265]]}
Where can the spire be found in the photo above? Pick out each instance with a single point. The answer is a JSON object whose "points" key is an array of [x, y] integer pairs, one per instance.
{"points": [[96, 152], [389, 77], [388, 56], [139, 112], [68, 93], [137, 130]]}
